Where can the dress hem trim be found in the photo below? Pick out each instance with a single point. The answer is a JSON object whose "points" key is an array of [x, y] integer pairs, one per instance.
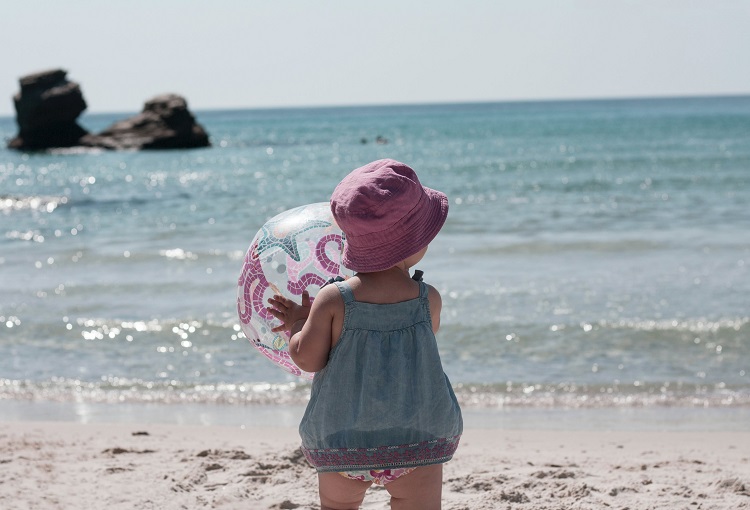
{"points": [[436, 451]]}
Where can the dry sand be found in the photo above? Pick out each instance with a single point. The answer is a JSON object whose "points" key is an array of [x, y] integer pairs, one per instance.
{"points": [[118, 466]]}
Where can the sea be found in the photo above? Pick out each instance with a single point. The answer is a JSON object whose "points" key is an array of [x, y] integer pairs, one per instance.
{"points": [[594, 266]]}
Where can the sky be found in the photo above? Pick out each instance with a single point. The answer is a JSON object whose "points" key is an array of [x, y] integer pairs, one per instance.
{"points": [[277, 53]]}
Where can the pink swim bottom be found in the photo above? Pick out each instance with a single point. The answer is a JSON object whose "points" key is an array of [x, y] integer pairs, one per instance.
{"points": [[377, 476]]}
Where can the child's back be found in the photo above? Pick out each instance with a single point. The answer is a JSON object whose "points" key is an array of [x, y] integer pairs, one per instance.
{"points": [[382, 400]]}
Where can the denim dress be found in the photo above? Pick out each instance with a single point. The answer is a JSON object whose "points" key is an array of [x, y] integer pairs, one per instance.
{"points": [[383, 400]]}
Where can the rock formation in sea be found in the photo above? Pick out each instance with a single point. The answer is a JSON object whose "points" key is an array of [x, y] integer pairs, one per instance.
{"points": [[46, 111], [164, 123], [48, 106]]}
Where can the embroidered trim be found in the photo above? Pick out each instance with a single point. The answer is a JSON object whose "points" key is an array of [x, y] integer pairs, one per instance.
{"points": [[435, 451]]}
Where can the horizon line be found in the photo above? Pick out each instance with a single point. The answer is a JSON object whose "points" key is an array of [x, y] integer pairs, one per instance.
{"points": [[332, 106]]}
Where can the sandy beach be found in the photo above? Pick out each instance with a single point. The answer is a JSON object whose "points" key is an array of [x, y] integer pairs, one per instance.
{"points": [[124, 466]]}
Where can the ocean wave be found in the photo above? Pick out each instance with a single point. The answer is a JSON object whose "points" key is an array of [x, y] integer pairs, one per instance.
{"points": [[585, 245], [9, 204], [585, 396], [48, 204], [27, 235], [209, 330], [167, 391], [181, 254], [694, 325], [480, 396], [113, 201], [178, 254]]}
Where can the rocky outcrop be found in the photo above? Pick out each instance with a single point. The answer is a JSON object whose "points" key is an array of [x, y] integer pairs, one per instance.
{"points": [[164, 123], [46, 111], [48, 105]]}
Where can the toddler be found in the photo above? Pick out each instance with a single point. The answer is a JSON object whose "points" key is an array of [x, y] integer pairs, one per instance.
{"points": [[381, 408]]}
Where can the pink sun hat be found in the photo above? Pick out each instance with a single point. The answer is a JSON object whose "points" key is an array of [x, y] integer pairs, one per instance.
{"points": [[386, 215]]}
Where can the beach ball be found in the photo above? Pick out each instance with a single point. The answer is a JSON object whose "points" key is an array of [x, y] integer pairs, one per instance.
{"points": [[297, 250]]}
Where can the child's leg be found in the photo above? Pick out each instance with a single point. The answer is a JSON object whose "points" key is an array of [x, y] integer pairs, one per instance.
{"points": [[340, 493], [421, 489]]}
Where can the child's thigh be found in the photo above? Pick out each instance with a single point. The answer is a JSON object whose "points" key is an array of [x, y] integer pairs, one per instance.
{"points": [[422, 488], [338, 492]]}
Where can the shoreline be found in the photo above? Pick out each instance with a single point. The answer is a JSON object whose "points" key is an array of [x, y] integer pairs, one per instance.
{"points": [[144, 466], [654, 418]]}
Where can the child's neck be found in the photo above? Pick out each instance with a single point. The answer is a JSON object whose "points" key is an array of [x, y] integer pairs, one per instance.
{"points": [[398, 272]]}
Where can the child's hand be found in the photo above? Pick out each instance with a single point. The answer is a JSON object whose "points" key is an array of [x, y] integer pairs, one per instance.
{"points": [[287, 311]]}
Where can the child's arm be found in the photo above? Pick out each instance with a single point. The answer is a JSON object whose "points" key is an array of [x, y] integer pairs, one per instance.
{"points": [[436, 306], [311, 336], [310, 346]]}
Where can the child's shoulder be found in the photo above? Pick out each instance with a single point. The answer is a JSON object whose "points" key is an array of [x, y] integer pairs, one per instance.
{"points": [[435, 299], [327, 302], [433, 293], [329, 295]]}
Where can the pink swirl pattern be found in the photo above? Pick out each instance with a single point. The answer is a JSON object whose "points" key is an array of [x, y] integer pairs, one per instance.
{"points": [[325, 264]]}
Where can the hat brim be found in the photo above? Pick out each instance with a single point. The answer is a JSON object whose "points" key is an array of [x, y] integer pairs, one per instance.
{"points": [[362, 255]]}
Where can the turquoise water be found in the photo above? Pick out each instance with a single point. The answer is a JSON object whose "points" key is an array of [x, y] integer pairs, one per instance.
{"points": [[595, 256]]}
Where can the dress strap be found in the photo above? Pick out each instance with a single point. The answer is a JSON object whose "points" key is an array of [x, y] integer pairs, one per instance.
{"points": [[423, 290], [346, 292]]}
